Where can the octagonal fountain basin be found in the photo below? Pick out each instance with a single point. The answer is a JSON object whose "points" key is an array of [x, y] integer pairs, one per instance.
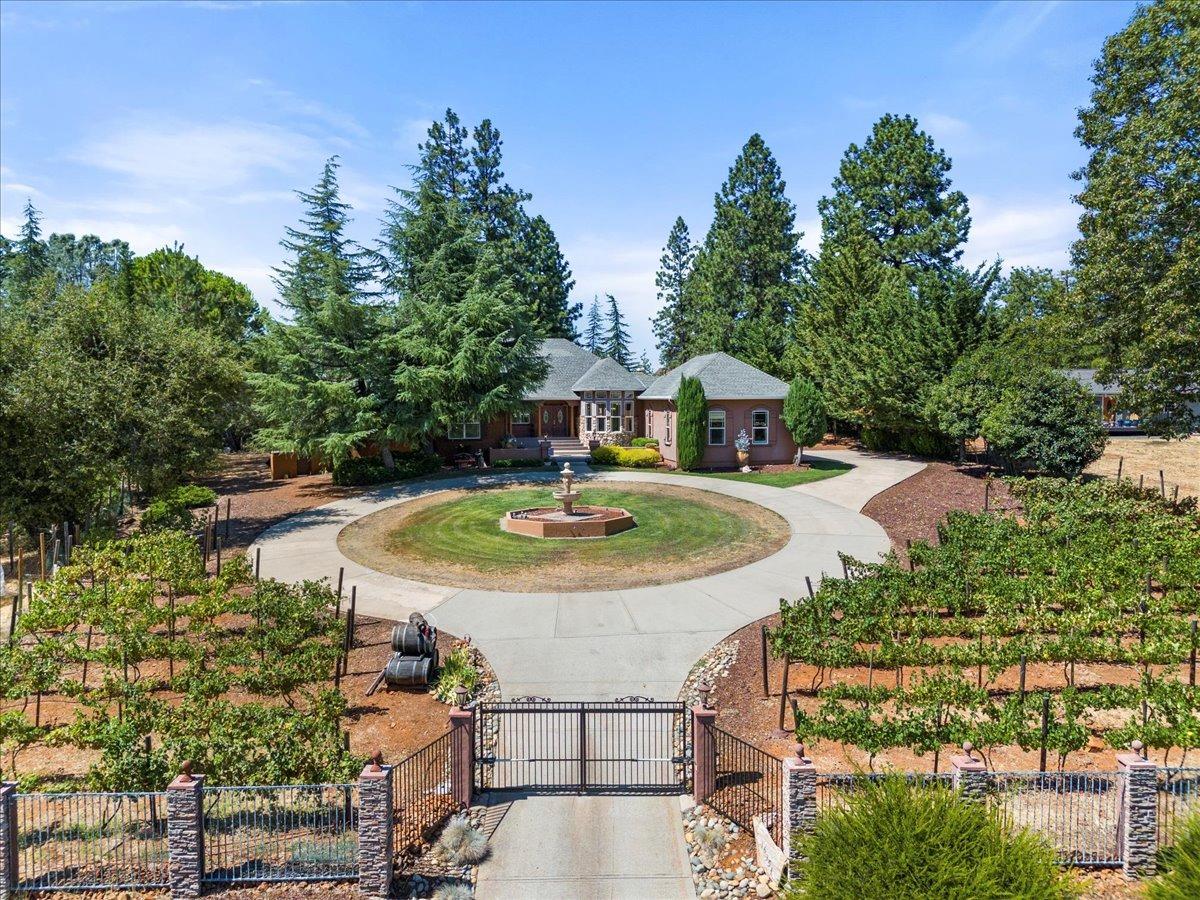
{"points": [[580, 522]]}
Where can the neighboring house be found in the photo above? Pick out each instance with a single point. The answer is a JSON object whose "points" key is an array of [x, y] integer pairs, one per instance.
{"points": [[587, 400], [1114, 420]]}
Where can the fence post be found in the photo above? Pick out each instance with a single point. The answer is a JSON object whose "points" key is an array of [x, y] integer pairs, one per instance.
{"points": [[799, 798], [462, 755], [8, 839], [376, 838], [704, 748], [968, 775], [1137, 823], [185, 833]]}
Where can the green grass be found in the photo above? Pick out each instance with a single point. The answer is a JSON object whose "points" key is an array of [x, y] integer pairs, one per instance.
{"points": [[670, 529], [821, 469]]}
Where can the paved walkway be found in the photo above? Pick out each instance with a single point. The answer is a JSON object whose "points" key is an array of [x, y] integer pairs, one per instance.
{"points": [[872, 474], [596, 645]]}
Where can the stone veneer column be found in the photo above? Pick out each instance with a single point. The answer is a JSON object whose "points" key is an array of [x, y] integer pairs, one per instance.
{"points": [[704, 752], [185, 833], [1138, 822], [8, 839], [462, 755], [969, 775], [799, 798], [376, 838]]}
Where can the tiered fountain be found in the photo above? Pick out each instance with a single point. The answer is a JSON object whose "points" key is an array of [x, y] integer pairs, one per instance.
{"points": [[569, 520]]}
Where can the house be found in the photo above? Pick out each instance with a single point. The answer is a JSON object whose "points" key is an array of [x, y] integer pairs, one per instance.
{"points": [[1116, 421], [587, 400]]}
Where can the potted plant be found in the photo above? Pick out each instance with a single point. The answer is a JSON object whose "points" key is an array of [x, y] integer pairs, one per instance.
{"points": [[742, 444]]}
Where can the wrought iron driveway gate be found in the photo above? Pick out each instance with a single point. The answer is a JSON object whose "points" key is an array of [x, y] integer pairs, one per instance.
{"points": [[629, 745]]}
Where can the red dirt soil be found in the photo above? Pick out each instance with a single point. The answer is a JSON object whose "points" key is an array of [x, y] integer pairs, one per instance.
{"points": [[911, 510]]}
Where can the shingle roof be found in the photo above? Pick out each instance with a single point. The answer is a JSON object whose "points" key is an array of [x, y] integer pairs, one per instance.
{"points": [[1087, 378], [723, 378], [606, 374], [568, 362]]}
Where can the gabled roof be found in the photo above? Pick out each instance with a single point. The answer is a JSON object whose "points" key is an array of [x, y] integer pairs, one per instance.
{"points": [[606, 374], [1087, 378], [723, 378], [568, 362]]}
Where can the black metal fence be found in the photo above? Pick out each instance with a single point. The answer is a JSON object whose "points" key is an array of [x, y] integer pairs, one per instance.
{"points": [[749, 783], [90, 841], [633, 745], [1178, 798], [281, 833], [1077, 812], [422, 794]]}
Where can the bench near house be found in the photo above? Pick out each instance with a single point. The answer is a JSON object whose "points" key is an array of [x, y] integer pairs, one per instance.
{"points": [[587, 400]]}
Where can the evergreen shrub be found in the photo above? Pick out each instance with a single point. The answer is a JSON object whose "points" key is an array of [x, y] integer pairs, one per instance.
{"points": [[638, 457], [1181, 881], [692, 422], [644, 442], [605, 455], [893, 841], [370, 470]]}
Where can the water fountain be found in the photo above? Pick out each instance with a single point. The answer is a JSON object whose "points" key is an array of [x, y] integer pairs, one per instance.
{"points": [[569, 520]]}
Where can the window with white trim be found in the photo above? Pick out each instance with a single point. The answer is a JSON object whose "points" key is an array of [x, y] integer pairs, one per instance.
{"points": [[587, 415], [649, 423], [667, 439], [464, 430], [760, 427], [629, 416], [614, 415], [716, 428]]}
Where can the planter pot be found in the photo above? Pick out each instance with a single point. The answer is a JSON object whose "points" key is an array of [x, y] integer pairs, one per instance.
{"points": [[743, 457]]}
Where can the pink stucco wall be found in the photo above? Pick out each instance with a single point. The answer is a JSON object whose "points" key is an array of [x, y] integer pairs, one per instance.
{"points": [[780, 448]]}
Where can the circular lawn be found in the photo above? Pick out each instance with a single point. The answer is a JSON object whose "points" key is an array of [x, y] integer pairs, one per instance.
{"points": [[454, 538]]}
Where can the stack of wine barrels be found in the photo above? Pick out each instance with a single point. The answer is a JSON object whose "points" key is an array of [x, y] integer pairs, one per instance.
{"points": [[414, 653]]}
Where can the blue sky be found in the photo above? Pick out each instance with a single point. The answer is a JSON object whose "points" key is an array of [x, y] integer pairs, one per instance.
{"points": [[194, 121]]}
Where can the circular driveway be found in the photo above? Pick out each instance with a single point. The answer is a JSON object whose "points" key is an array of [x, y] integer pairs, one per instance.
{"points": [[599, 644]]}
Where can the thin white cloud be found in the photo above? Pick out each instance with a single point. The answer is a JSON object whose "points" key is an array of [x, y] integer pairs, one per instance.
{"points": [[412, 132], [1004, 28], [1022, 234], [942, 126], [198, 156], [292, 103], [624, 268]]}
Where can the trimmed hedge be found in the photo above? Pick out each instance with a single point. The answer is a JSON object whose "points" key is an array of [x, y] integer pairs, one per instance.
{"points": [[518, 464], [644, 442], [628, 457], [359, 471]]}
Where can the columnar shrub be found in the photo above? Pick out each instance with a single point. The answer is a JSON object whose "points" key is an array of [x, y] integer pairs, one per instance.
{"points": [[692, 417], [804, 413]]}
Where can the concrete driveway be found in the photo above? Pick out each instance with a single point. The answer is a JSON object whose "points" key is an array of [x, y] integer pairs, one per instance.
{"points": [[596, 645]]}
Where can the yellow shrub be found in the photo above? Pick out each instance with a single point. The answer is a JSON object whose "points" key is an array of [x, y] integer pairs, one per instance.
{"points": [[638, 457]]}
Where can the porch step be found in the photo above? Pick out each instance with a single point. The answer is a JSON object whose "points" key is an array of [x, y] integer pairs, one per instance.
{"points": [[566, 446]]}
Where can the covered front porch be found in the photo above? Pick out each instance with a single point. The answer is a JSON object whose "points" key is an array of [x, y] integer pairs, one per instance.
{"points": [[546, 418]]}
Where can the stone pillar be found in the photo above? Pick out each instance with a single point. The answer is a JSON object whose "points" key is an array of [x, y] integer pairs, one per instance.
{"points": [[185, 833], [462, 755], [969, 775], [376, 838], [1137, 829], [704, 752], [8, 839], [799, 798]]}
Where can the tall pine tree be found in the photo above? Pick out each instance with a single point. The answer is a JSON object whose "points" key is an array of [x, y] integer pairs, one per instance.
{"points": [[671, 325], [744, 284], [323, 385], [616, 338], [27, 260], [1138, 260], [460, 342], [897, 186], [593, 334]]}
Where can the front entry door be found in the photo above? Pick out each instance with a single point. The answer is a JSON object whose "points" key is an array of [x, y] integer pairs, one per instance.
{"points": [[554, 421]]}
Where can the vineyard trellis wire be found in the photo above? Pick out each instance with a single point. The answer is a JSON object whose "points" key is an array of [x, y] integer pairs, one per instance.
{"points": [[1099, 574]]}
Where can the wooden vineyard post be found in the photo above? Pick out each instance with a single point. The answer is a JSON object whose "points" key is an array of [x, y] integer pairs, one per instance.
{"points": [[1192, 666], [337, 609], [1120, 466], [171, 632], [766, 686], [808, 583], [1142, 481], [86, 654], [257, 562], [1162, 484], [1045, 730], [351, 620], [228, 502], [1021, 689], [987, 495], [783, 693]]}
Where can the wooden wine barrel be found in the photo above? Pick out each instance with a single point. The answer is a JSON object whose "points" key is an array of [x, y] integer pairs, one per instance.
{"points": [[407, 671], [407, 640]]}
